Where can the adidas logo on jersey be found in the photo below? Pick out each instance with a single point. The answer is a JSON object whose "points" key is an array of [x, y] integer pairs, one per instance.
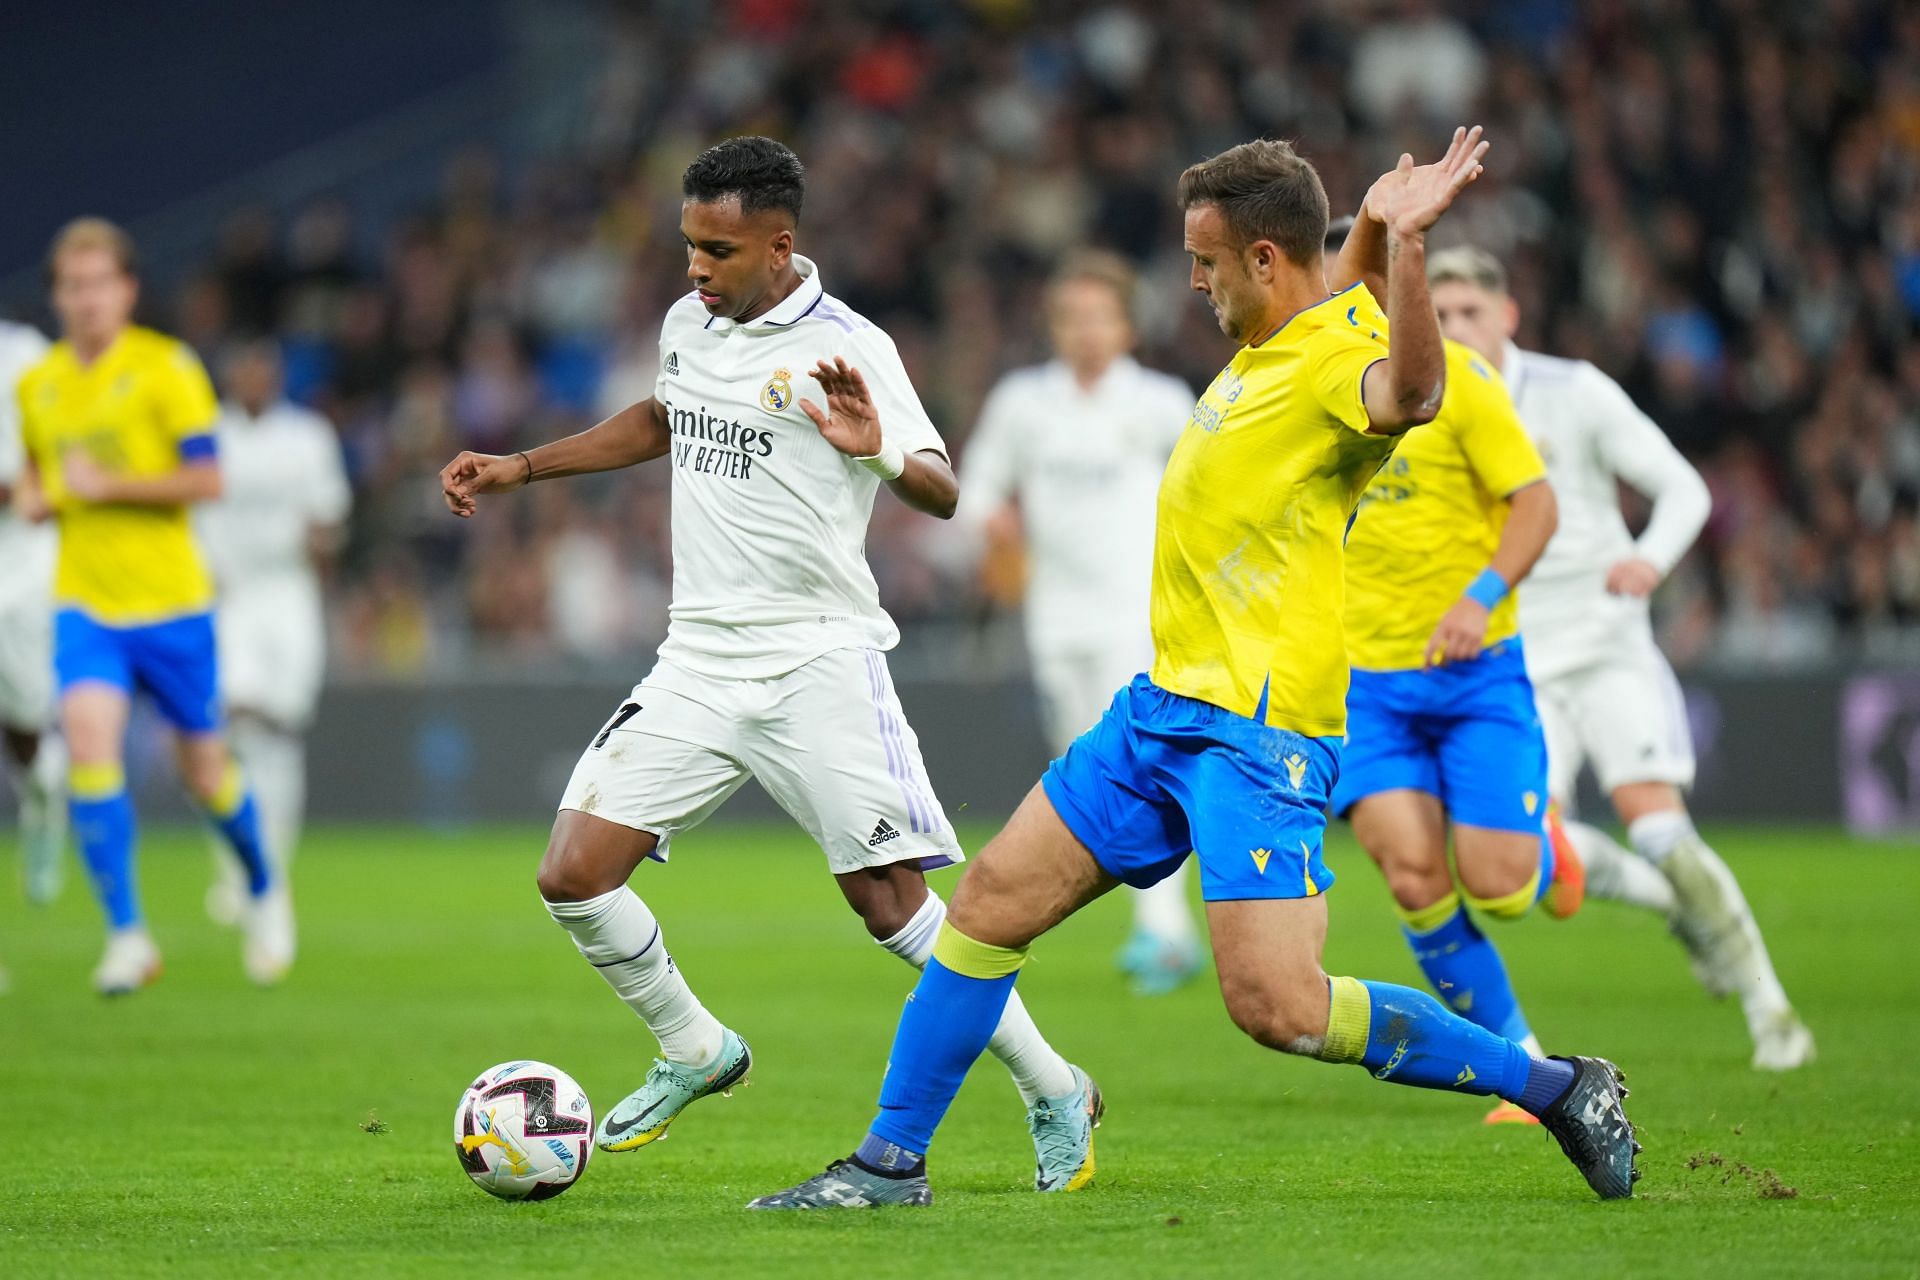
{"points": [[673, 363], [882, 833]]}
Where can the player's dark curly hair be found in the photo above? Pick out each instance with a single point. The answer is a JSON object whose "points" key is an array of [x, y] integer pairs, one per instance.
{"points": [[765, 175], [1266, 191]]}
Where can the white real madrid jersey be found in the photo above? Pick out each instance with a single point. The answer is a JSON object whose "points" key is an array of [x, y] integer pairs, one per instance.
{"points": [[1084, 464], [1592, 436], [26, 551], [281, 474], [769, 520]]}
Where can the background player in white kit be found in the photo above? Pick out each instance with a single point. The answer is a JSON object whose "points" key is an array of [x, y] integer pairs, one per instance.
{"points": [[773, 666], [281, 514], [1067, 460], [27, 552], [1605, 692]]}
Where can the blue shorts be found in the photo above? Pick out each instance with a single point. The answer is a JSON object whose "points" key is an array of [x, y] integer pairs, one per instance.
{"points": [[1163, 775], [172, 662], [1467, 733]]}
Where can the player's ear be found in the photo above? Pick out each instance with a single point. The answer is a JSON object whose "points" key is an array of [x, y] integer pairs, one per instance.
{"points": [[1510, 308], [782, 247], [1263, 256]]}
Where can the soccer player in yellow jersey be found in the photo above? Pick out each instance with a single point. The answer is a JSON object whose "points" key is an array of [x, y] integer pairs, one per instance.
{"points": [[117, 422], [1442, 735], [1230, 746]]}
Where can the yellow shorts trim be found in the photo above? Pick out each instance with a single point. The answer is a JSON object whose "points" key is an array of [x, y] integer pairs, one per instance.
{"points": [[971, 959]]}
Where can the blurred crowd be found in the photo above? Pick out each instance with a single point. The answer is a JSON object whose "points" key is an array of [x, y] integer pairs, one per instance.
{"points": [[1716, 201]]}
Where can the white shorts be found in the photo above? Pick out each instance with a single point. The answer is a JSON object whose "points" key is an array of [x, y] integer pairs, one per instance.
{"points": [[828, 742], [1077, 685], [1625, 715], [26, 666], [272, 648]]}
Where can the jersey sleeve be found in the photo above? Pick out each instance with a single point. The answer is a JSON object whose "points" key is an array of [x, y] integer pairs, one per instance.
{"points": [[1496, 444], [990, 467], [186, 402], [1637, 451], [903, 419], [329, 496], [1338, 357]]}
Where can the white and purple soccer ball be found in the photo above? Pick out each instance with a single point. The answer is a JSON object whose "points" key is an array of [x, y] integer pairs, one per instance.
{"points": [[524, 1131]]}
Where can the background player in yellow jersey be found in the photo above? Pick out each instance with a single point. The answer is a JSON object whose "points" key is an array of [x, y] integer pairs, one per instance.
{"points": [[1442, 735], [117, 422], [1230, 745]]}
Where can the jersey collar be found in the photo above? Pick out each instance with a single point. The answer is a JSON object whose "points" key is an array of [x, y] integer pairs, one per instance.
{"points": [[789, 310]]}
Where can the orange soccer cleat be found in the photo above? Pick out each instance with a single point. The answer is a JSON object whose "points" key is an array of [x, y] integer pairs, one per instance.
{"points": [[1569, 887]]}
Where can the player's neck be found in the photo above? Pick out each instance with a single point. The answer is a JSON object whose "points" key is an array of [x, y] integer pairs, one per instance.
{"points": [[89, 348], [1087, 376], [783, 286], [1290, 296]]}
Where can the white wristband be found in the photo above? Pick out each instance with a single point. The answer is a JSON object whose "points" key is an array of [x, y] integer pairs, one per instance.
{"points": [[888, 463]]}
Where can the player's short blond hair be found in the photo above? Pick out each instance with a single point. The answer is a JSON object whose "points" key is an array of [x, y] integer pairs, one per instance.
{"points": [[1099, 267], [1465, 264], [94, 233]]}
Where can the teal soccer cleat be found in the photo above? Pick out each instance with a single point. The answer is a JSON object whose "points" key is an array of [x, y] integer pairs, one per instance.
{"points": [[1159, 965], [643, 1115], [1063, 1136], [846, 1185]]}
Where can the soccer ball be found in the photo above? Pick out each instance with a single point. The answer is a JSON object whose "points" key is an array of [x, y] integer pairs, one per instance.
{"points": [[524, 1131]]}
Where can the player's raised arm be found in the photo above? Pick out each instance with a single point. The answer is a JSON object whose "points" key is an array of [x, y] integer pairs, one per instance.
{"points": [[1405, 389], [924, 479], [634, 435]]}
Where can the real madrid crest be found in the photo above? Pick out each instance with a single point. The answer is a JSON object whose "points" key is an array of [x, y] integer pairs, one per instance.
{"points": [[777, 395]]}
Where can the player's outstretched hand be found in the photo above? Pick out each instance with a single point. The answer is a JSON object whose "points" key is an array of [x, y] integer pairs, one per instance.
{"points": [[471, 474], [1411, 198], [1460, 634], [850, 423], [1633, 577]]}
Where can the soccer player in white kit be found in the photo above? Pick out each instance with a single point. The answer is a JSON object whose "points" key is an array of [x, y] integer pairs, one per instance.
{"points": [[1069, 454], [1605, 693], [281, 513], [27, 553], [774, 663]]}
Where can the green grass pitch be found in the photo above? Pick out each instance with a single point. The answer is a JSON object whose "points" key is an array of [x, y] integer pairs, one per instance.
{"points": [[204, 1127]]}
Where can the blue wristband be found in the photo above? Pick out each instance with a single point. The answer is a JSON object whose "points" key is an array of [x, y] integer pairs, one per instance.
{"points": [[1488, 590]]}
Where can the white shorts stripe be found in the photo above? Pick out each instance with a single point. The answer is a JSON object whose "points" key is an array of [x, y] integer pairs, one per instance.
{"points": [[890, 740]]}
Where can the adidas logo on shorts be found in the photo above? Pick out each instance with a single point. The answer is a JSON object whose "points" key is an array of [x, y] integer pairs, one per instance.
{"points": [[882, 833]]}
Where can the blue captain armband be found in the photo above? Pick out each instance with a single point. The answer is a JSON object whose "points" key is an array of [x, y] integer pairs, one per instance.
{"points": [[1487, 590], [204, 447]]}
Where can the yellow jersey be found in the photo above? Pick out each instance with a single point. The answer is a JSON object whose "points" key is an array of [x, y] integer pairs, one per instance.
{"points": [[141, 409], [1431, 519], [1248, 584]]}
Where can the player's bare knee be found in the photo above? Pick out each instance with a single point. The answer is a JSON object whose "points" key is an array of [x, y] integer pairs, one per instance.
{"points": [[1416, 887], [1497, 865], [885, 898], [567, 875]]}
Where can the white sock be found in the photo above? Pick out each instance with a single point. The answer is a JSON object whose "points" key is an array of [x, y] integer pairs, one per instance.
{"points": [[620, 938], [1616, 874], [1162, 909], [43, 786], [1712, 912], [1038, 1069], [275, 761]]}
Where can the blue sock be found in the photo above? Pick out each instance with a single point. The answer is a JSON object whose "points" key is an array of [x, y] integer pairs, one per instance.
{"points": [[946, 1025], [1407, 1037], [103, 827], [237, 817], [1465, 968]]}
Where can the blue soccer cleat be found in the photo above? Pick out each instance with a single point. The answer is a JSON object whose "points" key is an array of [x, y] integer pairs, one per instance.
{"points": [[846, 1185], [1591, 1126]]}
